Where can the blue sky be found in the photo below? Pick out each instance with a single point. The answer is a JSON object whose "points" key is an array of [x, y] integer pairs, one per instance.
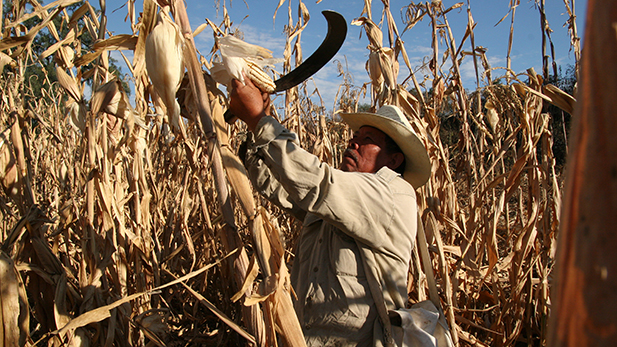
{"points": [[255, 19]]}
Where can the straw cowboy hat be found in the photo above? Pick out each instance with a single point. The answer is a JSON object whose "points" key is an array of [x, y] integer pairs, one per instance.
{"points": [[393, 123]]}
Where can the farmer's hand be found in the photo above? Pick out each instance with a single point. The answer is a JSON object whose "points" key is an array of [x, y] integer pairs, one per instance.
{"points": [[248, 103]]}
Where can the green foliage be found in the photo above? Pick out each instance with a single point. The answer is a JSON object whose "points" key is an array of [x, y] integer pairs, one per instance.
{"points": [[364, 108], [560, 120], [39, 74]]}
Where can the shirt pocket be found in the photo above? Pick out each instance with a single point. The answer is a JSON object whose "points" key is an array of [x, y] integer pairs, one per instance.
{"points": [[345, 256], [359, 300]]}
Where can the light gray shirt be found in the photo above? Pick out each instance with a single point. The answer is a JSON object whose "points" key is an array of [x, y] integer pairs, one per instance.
{"points": [[358, 233]]}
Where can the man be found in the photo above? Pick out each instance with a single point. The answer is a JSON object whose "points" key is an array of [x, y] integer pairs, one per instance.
{"points": [[359, 221]]}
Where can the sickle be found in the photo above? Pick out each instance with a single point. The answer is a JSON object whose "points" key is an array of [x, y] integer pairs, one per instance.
{"points": [[337, 31]]}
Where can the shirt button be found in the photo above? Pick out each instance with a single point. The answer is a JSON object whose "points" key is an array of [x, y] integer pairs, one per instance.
{"points": [[320, 240], [315, 269], [307, 326]]}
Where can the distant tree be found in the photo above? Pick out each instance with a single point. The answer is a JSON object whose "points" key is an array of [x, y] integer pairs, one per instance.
{"points": [[560, 120], [450, 123], [364, 108], [35, 80]]}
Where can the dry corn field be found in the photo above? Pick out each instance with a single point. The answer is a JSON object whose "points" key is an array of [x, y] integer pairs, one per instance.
{"points": [[128, 220]]}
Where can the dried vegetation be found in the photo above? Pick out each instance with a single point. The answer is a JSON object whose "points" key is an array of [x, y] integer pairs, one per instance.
{"points": [[122, 224]]}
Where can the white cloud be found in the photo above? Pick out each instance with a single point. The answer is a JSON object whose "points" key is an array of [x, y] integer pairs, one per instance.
{"points": [[266, 38]]}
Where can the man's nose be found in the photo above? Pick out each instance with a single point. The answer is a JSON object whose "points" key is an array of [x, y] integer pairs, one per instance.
{"points": [[352, 144]]}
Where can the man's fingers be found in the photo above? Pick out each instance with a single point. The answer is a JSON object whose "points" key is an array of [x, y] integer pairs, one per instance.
{"points": [[246, 87], [247, 81]]}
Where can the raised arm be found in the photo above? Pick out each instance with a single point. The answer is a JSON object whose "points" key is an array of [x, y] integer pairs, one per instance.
{"points": [[368, 207], [376, 209]]}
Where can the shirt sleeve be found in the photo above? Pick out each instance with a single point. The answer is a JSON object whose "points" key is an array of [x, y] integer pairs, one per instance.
{"points": [[267, 185], [363, 205]]}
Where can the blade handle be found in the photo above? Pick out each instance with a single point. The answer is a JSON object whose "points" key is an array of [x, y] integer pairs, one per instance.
{"points": [[230, 118]]}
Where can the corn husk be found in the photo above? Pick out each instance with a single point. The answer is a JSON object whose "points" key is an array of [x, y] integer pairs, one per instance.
{"points": [[12, 305], [239, 60], [164, 62]]}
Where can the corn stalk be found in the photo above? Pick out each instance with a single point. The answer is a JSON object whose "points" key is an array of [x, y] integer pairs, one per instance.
{"points": [[252, 314]]}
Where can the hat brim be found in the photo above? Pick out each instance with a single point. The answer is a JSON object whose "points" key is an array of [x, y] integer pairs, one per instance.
{"points": [[417, 164]]}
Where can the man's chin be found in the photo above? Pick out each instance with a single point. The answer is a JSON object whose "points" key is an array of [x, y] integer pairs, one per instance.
{"points": [[346, 166]]}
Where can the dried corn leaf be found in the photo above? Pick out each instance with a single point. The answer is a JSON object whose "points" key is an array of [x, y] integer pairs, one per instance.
{"points": [[70, 37], [69, 84], [5, 59], [239, 180], [251, 275], [96, 315], [559, 98], [12, 41], [493, 249], [103, 312], [117, 42], [80, 12], [41, 12], [221, 315], [60, 307], [87, 58]]}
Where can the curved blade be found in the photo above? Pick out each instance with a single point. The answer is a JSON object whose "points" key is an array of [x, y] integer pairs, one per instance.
{"points": [[337, 30]]}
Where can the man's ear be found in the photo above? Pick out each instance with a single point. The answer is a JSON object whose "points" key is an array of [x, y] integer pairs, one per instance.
{"points": [[396, 159], [266, 98]]}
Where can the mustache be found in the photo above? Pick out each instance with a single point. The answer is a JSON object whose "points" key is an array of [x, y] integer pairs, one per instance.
{"points": [[350, 152]]}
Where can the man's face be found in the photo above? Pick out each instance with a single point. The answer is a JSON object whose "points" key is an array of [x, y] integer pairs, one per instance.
{"points": [[366, 151]]}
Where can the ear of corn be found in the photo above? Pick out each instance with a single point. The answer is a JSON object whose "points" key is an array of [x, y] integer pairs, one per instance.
{"points": [[259, 77], [374, 70], [9, 303], [240, 59], [8, 165], [164, 62], [232, 46]]}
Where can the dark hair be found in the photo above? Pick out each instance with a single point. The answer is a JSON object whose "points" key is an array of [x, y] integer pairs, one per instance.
{"points": [[391, 148]]}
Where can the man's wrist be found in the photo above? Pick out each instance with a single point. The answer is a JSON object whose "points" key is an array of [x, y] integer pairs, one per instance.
{"points": [[252, 122]]}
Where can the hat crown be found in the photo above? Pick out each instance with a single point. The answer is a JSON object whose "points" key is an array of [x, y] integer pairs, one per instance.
{"points": [[395, 114], [391, 120]]}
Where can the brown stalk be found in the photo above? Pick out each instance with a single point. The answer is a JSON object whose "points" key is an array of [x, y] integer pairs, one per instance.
{"points": [[584, 257], [252, 315], [575, 40]]}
